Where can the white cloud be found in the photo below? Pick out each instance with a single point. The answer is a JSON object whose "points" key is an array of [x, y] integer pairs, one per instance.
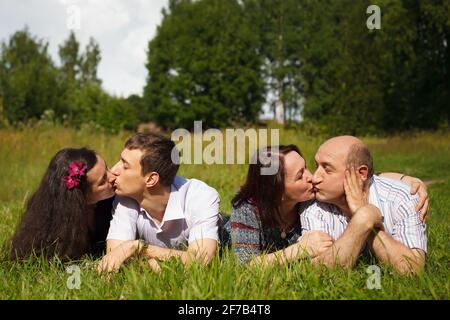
{"points": [[121, 27]]}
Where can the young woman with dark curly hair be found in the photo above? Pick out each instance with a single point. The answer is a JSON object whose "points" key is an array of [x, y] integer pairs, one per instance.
{"points": [[69, 214]]}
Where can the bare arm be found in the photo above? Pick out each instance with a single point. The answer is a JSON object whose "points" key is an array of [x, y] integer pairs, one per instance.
{"points": [[347, 248], [310, 244], [202, 250], [112, 244], [392, 252], [363, 219], [117, 252]]}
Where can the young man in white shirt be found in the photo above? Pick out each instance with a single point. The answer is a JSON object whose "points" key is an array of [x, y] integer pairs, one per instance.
{"points": [[156, 213]]}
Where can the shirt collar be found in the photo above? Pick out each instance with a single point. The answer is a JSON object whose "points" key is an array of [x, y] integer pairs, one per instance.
{"points": [[174, 210]]}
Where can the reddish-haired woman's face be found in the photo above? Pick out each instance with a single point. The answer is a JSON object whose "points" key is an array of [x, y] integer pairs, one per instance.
{"points": [[297, 179], [101, 182]]}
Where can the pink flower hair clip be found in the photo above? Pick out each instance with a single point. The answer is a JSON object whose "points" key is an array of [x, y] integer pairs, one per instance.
{"points": [[76, 170]]}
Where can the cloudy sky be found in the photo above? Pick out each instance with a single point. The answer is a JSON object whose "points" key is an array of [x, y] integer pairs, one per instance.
{"points": [[121, 27]]}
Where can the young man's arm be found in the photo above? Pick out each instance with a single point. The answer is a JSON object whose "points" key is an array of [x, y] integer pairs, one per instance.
{"points": [[202, 250], [120, 243], [118, 251]]}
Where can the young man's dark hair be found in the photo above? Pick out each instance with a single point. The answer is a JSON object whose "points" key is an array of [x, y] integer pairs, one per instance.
{"points": [[156, 155]]}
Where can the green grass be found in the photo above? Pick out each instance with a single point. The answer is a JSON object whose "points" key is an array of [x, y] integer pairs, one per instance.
{"points": [[24, 156]]}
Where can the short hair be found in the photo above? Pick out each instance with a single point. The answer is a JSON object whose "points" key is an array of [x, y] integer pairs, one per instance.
{"points": [[157, 155], [360, 155]]}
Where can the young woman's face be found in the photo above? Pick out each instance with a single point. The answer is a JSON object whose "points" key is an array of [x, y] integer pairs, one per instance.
{"points": [[101, 182], [297, 179]]}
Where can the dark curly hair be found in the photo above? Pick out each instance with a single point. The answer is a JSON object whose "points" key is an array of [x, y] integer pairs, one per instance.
{"points": [[56, 219]]}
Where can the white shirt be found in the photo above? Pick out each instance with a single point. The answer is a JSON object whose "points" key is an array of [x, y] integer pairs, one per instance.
{"points": [[192, 213], [396, 204]]}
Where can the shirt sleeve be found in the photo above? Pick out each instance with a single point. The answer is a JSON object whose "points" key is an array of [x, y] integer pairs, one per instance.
{"points": [[245, 232], [205, 212], [408, 229], [124, 218]]}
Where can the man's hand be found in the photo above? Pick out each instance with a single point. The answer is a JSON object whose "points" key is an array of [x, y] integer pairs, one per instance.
{"points": [[315, 242], [154, 265], [354, 191], [117, 256], [202, 250]]}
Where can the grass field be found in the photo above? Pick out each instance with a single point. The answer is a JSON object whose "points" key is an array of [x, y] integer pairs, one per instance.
{"points": [[24, 156]]}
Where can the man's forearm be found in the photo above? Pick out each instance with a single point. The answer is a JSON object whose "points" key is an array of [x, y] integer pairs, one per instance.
{"points": [[346, 249], [165, 253], [202, 251], [392, 252]]}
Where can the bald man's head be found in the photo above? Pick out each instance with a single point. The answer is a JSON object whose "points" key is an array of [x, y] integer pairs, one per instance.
{"points": [[332, 159], [353, 152]]}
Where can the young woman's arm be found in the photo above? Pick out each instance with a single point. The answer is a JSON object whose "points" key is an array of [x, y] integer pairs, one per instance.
{"points": [[310, 245]]}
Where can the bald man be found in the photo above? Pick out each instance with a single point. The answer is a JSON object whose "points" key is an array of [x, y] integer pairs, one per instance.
{"points": [[382, 215]]}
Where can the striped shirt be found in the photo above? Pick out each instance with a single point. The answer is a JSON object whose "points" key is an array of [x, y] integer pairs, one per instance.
{"points": [[396, 204]]}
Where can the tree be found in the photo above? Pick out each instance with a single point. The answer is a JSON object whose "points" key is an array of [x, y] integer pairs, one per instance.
{"points": [[418, 79], [361, 81], [70, 59], [203, 64], [279, 25], [28, 78], [89, 62], [78, 74]]}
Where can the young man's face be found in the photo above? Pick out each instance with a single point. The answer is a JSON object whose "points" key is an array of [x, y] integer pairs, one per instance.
{"points": [[129, 180], [328, 179]]}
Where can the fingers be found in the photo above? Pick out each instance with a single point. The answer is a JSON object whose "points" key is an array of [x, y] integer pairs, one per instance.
{"points": [[353, 181], [415, 186], [356, 179], [423, 197], [108, 265], [104, 267], [154, 265], [424, 212], [346, 182], [327, 244], [101, 266]]}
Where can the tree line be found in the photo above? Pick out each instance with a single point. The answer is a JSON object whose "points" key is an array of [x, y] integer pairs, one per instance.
{"points": [[220, 61], [33, 86]]}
